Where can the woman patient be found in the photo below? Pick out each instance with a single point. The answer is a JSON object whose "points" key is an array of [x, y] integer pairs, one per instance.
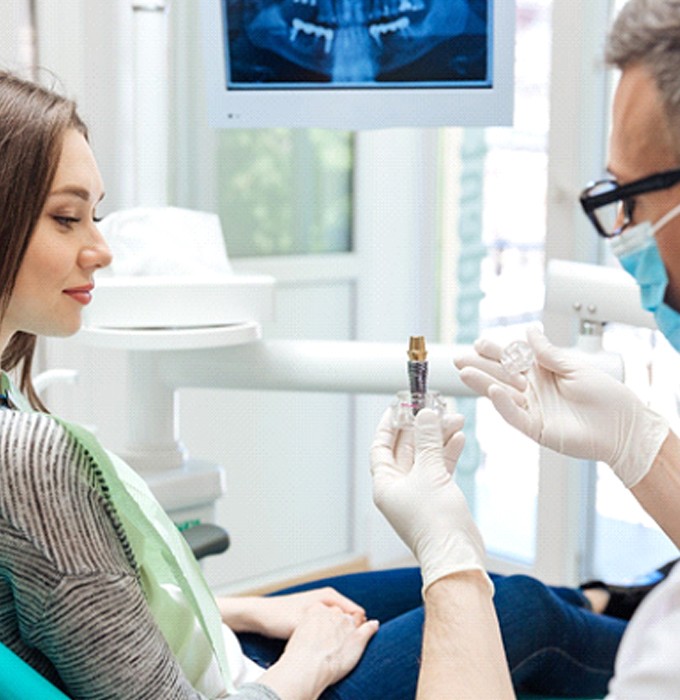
{"points": [[76, 600], [97, 589]]}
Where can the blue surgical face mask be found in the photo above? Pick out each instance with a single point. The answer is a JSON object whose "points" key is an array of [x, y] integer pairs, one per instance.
{"points": [[639, 255]]}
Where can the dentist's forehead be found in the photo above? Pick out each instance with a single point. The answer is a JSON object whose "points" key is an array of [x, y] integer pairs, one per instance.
{"points": [[640, 142]]}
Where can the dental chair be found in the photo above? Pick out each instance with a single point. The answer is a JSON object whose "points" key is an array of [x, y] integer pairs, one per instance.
{"points": [[19, 681]]}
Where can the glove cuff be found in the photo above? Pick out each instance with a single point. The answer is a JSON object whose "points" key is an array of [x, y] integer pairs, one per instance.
{"points": [[455, 554], [434, 574], [641, 448]]}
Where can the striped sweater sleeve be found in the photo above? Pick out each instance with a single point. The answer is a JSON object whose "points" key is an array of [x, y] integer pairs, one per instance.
{"points": [[70, 600]]}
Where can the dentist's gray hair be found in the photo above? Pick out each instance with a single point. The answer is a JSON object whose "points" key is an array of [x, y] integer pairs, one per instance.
{"points": [[647, 32]]}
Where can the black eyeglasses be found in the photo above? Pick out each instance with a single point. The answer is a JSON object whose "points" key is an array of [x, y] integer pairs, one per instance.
{"points": [[610, 206]]}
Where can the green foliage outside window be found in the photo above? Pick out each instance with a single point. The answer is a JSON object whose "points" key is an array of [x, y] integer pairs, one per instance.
{"points": [[285, 191]]}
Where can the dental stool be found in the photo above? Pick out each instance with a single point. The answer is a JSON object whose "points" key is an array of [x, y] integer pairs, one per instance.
{"points": [[20, 681]]}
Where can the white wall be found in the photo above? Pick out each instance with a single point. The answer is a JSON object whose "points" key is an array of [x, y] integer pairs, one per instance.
{"points": [[316, 509], [15, 36]]}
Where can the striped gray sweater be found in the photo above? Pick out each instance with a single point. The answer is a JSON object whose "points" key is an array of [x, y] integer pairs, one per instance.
{"points": [[71, 604]]}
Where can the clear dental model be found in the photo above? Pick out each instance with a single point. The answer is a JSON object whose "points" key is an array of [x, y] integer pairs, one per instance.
{"points": [[517, 357]]}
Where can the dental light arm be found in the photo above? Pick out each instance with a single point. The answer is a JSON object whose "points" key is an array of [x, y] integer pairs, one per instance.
{"points": [[307, 365], [163, 361], [591, 293], [594, 294]]}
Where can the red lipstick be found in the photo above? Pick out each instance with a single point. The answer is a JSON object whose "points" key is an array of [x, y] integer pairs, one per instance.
{"points": [[83, 295]]}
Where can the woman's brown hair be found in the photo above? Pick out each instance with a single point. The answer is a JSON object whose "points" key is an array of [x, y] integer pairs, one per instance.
{"points": [[33, 121]]}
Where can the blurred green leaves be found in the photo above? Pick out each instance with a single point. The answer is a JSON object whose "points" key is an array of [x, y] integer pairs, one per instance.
{"points": [[285, 191]]}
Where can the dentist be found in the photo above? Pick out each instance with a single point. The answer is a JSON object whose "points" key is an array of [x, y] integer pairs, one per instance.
{"points": [[565, 404]]}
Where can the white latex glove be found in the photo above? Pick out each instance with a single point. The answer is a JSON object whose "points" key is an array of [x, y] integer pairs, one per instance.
{"points": [[413, 488], [568, 405]]}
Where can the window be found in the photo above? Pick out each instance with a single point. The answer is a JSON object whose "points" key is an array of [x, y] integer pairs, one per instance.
{"points": [[285, 191], [510, 169], [503, 182]]}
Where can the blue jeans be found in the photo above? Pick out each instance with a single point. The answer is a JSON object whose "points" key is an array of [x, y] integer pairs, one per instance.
{"points": [[554, 643]]}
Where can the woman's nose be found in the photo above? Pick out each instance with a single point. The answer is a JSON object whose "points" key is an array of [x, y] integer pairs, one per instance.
{"points": [[105, 255], [97, 253]]}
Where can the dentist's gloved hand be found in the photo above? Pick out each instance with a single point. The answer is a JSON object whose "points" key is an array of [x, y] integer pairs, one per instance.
{"points": [[568, 405], [413, 488]]}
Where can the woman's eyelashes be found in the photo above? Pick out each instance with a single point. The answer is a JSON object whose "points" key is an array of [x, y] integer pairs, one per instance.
{"points": [[66, 221], [69, 221]]}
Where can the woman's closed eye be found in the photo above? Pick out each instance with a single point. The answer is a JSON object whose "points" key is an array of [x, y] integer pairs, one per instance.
{"points": [[68, 221]]}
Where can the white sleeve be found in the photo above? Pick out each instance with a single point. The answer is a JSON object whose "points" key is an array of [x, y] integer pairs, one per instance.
{"points": [[648, 662]]}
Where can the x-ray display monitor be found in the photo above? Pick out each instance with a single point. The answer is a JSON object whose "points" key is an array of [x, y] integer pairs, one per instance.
{"points": [[359, 63]]}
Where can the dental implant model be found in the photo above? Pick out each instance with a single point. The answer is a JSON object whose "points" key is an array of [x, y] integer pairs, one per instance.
{"points": [[410, 401], [417, 371]]}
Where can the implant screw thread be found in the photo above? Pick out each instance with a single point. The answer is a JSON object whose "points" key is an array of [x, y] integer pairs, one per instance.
{"points": [[417, 377], [417, 371]]}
